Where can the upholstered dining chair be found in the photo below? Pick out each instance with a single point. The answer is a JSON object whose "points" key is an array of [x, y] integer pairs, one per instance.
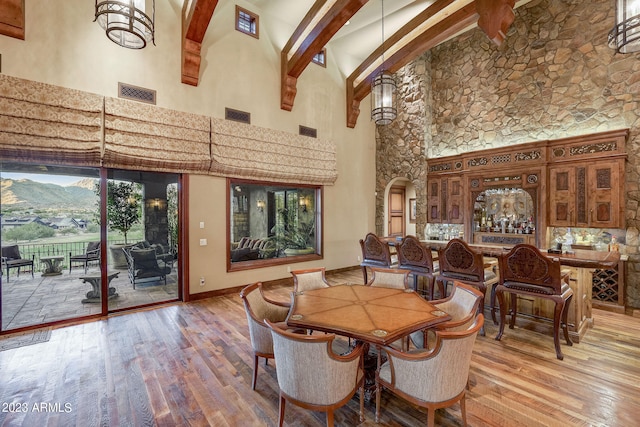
{"points": [[524, 270], [434, 378], [308, 279], [389, 278], [375, 253], [458, 261], [258, 308], [462, 305], [312, 376], [417, 258]]}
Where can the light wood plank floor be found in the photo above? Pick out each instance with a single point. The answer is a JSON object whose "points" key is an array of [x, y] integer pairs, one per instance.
{"points": [[190, 365]]}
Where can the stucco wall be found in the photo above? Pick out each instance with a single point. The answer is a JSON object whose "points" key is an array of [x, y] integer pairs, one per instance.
{"points": [[65, 47], [554, 76]]}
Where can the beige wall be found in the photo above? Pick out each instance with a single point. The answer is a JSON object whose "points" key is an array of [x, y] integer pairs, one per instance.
{"points": [[64, 47]]}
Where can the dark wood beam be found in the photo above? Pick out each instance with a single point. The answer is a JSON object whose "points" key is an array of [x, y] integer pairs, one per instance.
{"points": [[195, 22], [12, 18], [495, 18], [294, 63]]}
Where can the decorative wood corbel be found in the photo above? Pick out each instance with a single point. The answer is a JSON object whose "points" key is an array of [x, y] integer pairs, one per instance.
{"points": [[195, 22]]}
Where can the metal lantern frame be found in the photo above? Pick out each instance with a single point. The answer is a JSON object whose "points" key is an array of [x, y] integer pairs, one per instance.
{"points": [[125, 23], [624, 37], [383, 99]]}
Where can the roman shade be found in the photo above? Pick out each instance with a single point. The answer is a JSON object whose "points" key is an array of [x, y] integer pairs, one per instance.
{"points": [[49, 124]]}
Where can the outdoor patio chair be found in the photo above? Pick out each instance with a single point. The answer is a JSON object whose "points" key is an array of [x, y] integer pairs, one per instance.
{"points": [[144, 266], [11, 258], [91, 254]]}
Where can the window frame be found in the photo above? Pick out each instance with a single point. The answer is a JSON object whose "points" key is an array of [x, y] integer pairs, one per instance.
{"points": [[324, 55], [255, 20], [262, 263]]}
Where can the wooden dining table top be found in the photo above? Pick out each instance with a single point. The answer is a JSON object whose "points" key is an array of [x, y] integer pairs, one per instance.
{"points": [[375, 315]]}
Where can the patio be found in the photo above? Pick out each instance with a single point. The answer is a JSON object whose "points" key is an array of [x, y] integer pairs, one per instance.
{"points": [[28, 301]]}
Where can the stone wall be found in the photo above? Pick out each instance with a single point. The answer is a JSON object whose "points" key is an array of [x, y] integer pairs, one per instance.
{"points": [[554, 76]]}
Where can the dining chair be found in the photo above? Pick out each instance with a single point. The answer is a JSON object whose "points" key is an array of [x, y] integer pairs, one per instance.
{"points": [[308, 279], [312, 376], [524, 270], [389, 278], [417, 258], [462, 305], [431, 379], [375, 253], [258, 308], [458, 261]]}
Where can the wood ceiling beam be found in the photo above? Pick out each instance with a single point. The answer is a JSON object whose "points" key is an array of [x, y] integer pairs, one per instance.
{"points": [[195, 22], [12, 18], [311, 35], [496, 22]]}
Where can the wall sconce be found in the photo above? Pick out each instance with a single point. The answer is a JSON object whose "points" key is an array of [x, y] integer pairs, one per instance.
{"points": [[156, 204], [260, 205], [303, 204]]}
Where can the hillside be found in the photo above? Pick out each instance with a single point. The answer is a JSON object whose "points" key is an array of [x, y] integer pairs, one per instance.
{"points": [[27, 194]]}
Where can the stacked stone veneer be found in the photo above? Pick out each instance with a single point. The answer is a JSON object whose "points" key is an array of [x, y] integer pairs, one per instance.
{"points": [[553, 77]]}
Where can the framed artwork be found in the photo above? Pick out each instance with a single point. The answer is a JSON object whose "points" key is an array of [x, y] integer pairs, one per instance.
{"points": [[412, 211]]}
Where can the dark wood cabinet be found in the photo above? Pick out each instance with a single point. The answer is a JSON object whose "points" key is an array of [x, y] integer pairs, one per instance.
{"points": [[445, 200]]}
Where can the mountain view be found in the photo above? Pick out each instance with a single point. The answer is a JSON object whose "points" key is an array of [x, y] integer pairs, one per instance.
{"points": [[24, 195]]}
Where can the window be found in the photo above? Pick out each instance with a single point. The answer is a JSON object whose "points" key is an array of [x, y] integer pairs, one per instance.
{"points": [[272, 223], [320, 58], [247, 22]]}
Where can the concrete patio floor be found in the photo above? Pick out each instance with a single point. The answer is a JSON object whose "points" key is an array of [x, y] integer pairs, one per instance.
{"points": [[28, 301]]}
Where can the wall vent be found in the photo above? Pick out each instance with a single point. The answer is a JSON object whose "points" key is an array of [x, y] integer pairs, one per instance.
{"points": [[305, 131], [136, 93], [237, 115]]}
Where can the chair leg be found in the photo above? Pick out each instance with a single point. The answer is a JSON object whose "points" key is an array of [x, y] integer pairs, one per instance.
{"points": [[564, 321], [492, 303], [557, 314], [364, 274], [378, 393], [503, 316], [255, 372], [362, 402], [514, 309], [330, 418], [431, 417], [281, 410], [463, 410]]}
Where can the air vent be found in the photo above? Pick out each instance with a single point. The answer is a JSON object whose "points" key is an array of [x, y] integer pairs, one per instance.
{"points": [[237, 115], [136, 93], [305, 131]]}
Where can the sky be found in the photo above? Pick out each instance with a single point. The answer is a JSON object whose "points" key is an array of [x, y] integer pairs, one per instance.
{"points": [[47, 179]]}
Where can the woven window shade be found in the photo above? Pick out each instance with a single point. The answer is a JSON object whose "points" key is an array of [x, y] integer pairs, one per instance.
{"points": [[146, 137], [244, 151], [49, 124]]}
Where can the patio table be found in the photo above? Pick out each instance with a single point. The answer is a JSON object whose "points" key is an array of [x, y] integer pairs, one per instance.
{"points": [[95, 281]]}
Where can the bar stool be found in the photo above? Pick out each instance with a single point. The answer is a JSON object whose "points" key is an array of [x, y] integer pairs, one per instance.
{"points": [[461, 263], [524, 270], [415, 257], [375, 253]]}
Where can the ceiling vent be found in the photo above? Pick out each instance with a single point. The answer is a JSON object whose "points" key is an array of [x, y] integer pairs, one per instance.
{"points": [[237, 115], [136, 93], [305, 131]]}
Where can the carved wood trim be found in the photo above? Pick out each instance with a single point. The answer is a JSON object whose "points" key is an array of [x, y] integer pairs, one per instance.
{"points": [[12, 18]]}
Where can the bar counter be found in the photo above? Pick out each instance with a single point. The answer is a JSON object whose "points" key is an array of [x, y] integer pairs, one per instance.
{"points": [[581, 263]]}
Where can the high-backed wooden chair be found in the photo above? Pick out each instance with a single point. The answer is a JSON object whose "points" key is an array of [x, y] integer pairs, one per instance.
{"points": [[375, 253], [258, 308], [312, 376], [458, 261], [308, 279], [434, 378], [389, 278], [417, 258], [524, 270]]}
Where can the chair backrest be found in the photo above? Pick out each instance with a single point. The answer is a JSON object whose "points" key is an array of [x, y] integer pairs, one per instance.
{"points": [[11, 252], [462, 305], [458, 260], [375, 251], [308, 279], [144, 258], [309, 371], [439, 374], [93, 247], [389, 278], [257, 309], [412, 255], [525, 266]]}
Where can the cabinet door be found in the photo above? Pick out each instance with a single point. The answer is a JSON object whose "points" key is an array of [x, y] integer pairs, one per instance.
{"points": [[562, 196], [434, 214], [455, 212], [604, 195]]}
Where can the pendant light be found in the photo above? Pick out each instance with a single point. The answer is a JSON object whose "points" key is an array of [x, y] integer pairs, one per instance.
{"points": [[383, 91], [127, 22]]}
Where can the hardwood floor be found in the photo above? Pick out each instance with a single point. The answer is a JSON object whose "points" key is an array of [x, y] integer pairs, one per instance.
{"points": [[190, 365]]}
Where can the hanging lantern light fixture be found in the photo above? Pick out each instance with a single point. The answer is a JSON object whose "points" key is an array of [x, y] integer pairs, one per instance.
{"points": [[383, 91], [625, 35], [127, 22]]}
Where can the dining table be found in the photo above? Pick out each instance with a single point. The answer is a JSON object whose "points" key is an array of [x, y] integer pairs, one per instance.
{"points": [[375, 315]]}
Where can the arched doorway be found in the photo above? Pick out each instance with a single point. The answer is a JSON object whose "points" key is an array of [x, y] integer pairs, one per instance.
{"points": [[399, 208]]}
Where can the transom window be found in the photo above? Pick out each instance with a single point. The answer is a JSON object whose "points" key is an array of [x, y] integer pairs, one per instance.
{"points": [[247, 22], [320, 58]]}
